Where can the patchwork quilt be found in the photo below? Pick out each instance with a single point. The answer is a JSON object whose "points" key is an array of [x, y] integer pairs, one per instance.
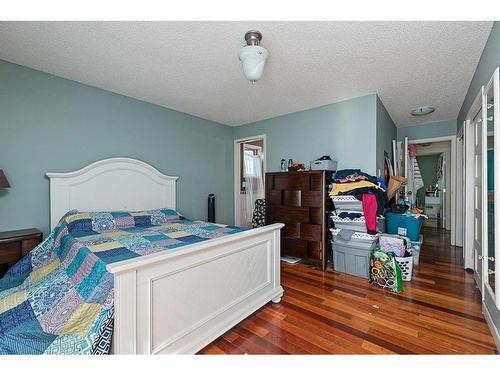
{"points": [[58, 299]]}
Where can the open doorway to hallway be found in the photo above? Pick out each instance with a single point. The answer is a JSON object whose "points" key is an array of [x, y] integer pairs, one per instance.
{"points": [[433, 160], [249, 175], [437, 161]]}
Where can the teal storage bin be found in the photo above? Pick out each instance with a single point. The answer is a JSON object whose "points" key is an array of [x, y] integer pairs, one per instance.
{"points": [[403, 225]]}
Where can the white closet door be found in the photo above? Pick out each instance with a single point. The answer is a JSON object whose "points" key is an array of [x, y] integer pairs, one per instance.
{"points": [[491, 115], [479, 199]]}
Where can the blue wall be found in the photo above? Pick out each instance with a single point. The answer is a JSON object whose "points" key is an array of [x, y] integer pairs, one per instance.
{"points": [[344, 130], [52, 124], [386, 132], [489, 61], [429, 130]]}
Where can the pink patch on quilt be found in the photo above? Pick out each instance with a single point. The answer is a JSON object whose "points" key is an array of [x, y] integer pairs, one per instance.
{"points": [[124, 222], [164, 243], [68, 259], [223, 230], [171, 217], [61, 234], [84, 269]]}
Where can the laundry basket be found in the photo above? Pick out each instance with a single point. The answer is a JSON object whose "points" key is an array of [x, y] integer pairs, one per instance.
{"points": [[406, 265]]}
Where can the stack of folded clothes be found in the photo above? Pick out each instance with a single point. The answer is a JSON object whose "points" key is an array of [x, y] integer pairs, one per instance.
{"points": [[359, 199]]}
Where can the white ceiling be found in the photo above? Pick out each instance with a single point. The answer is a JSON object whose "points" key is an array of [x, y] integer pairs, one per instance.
{"points": [[193, 66]]}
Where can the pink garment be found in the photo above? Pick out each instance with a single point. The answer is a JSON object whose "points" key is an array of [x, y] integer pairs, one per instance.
{"points": [[350, 179], [412, 151], [370, 212]]}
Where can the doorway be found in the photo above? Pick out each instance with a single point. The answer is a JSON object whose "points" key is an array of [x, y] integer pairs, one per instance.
{"points": [[431, 197], [249, 177], [444, 200]]}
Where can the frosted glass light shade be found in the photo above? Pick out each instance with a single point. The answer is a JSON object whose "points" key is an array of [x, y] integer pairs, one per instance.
{"points": [[253, 59]]}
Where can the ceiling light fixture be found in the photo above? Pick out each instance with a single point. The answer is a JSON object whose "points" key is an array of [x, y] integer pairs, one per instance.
{"points": [[253, 56], [422, 111]]}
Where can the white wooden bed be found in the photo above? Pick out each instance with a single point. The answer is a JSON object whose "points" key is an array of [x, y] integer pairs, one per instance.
{"points": [[176, 301]]}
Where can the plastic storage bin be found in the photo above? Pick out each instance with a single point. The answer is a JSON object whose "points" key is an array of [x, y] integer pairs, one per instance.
{"points": [[417, 245], [347, 203], [403, 225], [358, 225], [324, 165], [352, 258], [362, 240]]}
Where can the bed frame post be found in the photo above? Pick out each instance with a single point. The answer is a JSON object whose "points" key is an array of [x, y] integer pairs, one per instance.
{"points": [[125, 325], [277, 265]]}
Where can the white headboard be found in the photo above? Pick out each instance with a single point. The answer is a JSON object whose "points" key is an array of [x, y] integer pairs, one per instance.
{"points": [[116, 184]]}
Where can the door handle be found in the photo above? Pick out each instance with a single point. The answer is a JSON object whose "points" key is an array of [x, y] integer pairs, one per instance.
{"points": [[491, 258], [480, 257], [490, 272]]}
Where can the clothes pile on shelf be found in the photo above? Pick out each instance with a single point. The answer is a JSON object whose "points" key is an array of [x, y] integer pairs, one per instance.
{"points": [[351, 186]]}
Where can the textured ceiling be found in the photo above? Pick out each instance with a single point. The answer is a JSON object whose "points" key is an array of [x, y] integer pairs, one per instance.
{"points": [[193, 66]]}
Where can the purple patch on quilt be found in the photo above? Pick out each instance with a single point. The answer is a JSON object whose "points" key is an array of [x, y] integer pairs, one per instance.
{"points": [[71, 254], [163, 243], [84, 269], [56, 319], [223, 230], [171, 217], [151, 250], [61, 234], [124, 222]]}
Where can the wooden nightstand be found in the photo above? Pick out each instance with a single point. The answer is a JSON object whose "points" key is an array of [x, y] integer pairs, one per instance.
{"points": [[15, 244]]}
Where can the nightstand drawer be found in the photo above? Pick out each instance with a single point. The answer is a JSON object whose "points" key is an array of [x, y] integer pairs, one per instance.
{"points": [[10, 252], [16, 244], [28, 245]]}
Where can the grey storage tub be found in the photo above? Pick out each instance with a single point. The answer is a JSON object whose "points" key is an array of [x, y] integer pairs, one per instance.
{"points": [[352, 258], [347, 203], [362, 240]]}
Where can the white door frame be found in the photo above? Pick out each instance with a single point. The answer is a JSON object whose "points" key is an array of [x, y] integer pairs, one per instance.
{"points": [[460, 175], [469, 181], [453, 182], [494, 84], [237, 177]]}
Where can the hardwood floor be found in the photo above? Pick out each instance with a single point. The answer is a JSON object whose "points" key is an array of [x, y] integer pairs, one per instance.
{"points": [[439, 312]]}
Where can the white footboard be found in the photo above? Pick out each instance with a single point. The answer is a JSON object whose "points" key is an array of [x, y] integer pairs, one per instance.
{"points": [[179, 301]]}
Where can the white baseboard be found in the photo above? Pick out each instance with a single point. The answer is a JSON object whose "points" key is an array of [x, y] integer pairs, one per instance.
{"points": [[493, 329]]}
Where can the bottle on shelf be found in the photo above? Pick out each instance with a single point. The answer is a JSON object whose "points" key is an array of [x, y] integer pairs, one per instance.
{"points": [[283, 165]]}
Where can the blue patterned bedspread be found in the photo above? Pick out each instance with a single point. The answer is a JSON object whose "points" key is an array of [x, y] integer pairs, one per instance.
{"points": [[58, 299]]}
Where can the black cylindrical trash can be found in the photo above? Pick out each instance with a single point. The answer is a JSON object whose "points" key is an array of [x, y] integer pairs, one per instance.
{"points": [[211, 208]]}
